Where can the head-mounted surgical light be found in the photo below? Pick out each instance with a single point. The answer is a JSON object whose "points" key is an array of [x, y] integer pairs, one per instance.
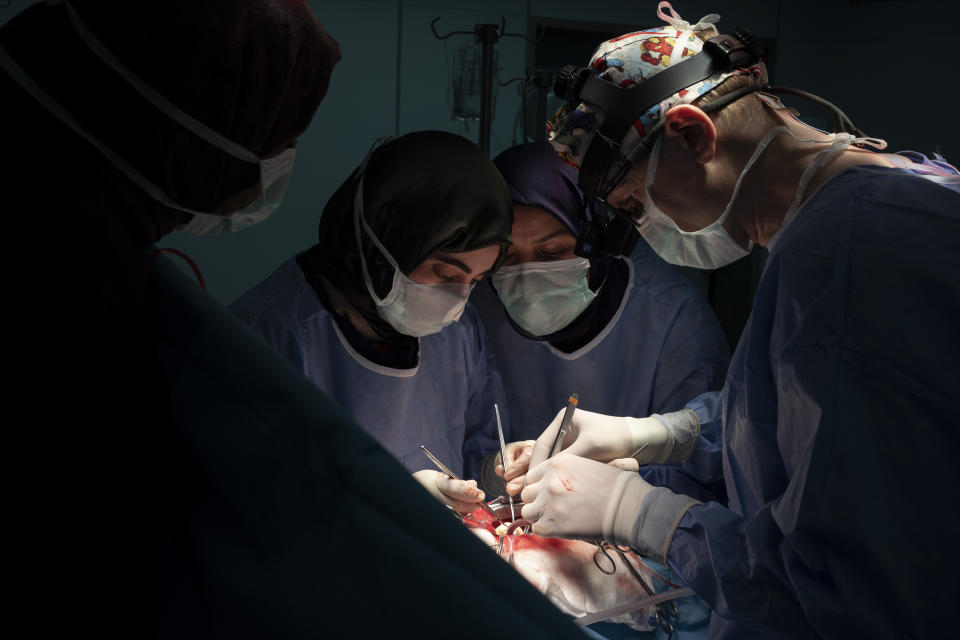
{"points": [[604, 166]]}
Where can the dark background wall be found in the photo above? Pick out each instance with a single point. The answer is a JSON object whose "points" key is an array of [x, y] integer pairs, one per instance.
{"points": [[889, 64]]}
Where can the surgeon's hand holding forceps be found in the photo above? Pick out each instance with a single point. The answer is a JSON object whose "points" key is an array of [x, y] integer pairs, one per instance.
{"points": [[445, 469], [665, 610], [609, 567]]}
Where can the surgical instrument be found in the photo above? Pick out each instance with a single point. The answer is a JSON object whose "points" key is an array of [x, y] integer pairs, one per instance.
{"points": [[601, 552], [663, 613], [503, 456], [444, 468], [572, 403]]}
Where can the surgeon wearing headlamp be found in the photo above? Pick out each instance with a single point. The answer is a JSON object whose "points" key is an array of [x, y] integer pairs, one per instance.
{"points": [[556, 322], [839, 407]]}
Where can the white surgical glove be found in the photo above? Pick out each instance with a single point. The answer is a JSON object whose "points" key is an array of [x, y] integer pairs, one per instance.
{"points": [[659, 439], [566, 497], [571, 497], [519, 463], [462, 495], [492, 475]]}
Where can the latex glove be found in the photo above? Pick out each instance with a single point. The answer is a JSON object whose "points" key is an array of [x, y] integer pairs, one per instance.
{"points": [[491, 470], [518, 459], [658, 439], [462, 495], [567, 497], [571, 497], [517, 468]]}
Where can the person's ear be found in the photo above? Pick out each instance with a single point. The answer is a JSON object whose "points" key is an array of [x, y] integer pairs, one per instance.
{"points": [[693, 130]]}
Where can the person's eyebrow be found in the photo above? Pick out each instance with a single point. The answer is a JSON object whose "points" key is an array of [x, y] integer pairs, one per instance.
{"points": [[453, 262], [552, 235]]}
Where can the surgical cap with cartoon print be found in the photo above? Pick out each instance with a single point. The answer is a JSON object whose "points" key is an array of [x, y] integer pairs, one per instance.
{"points": [[629, 60]]}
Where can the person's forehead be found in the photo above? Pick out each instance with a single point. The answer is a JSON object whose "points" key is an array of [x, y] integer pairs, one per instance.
{"points": [[530, 216], [532, 224], [466, 261]]}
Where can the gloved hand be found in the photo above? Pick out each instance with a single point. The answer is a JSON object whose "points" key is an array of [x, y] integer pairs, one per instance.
{"points": [[519, 461], [518, 455], [567, 496], [491, 471], [462, 495], [671, 437], [571, 497]]}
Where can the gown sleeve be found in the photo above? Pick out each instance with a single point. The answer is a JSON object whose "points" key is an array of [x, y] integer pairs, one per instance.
{"points": [[846, 527], [701, 476], [692, 364]]}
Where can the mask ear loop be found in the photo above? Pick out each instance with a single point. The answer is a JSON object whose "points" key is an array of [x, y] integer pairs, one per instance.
{"points": [[645, 146], [358, 221], [155, 97]]}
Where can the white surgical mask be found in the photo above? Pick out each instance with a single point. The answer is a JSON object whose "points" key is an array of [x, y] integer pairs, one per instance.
{"points": [[544, 297], [410, 307], [274, 172], [713, 247], [708, 248]]}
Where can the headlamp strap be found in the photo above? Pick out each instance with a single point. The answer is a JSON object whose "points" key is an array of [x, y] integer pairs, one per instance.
{"points": [[622, 106]]}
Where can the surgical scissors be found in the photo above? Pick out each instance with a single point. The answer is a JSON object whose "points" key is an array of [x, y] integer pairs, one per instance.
{"points": [[665, 610], [601, 551]]}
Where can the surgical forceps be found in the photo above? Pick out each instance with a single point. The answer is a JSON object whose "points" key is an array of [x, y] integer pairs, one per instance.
{"points": [[665, 610]]}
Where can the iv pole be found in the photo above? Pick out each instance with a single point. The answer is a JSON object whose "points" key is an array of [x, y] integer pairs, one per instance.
{"points": [[488, 34]]}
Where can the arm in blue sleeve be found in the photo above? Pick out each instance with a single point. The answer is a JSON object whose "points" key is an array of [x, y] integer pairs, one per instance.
{"points": [[486, 388], [841, 442], [701, 476], [858, 540]]}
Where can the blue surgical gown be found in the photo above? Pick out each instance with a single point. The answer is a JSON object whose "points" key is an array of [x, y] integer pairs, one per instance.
{"points": [[445, 402], [662, 347], [671, 348], [167, 475], [840, 426]]}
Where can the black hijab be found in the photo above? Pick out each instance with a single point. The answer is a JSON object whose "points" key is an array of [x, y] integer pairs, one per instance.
{"points": [[423, 192], [252, 71]]}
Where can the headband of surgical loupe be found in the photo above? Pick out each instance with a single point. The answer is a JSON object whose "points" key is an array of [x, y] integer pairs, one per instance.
{"points": [[634, 79], [630, 82]]}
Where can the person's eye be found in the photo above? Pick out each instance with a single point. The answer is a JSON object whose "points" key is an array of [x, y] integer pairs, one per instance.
{"points": [[552, 252], [444, 274]]}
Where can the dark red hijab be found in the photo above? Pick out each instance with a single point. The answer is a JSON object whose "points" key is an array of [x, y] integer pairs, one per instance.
{"points": [[252, 71]]}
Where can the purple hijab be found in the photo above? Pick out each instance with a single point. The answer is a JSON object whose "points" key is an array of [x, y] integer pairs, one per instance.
{"points": [[538, 177]]}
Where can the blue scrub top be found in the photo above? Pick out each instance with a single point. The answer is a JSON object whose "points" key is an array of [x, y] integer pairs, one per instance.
{"points": [[662, 347], [444, 402], [278, 504], [840, 417]]}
